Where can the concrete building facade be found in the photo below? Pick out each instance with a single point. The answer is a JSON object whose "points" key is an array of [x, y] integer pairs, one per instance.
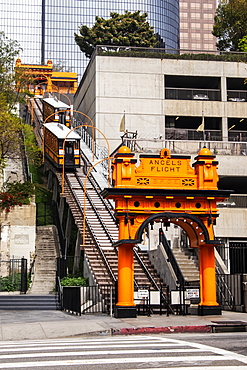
{"points": [[166, 102], [196, 24]]}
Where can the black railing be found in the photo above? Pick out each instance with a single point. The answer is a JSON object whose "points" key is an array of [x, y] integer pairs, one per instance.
{"points": [[143, 300], [234, 256], [190, 134], [230, 291], [71, 265], [96, 242], [239, 136], [192, 94], [13, 275], [89, 299], [171, 258], [61, 237]]}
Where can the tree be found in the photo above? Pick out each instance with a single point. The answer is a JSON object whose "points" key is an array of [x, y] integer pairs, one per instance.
{"points": [[128, 29], [9, 50], [230, 24], [10, 123], [10, 127], [242, 44]]}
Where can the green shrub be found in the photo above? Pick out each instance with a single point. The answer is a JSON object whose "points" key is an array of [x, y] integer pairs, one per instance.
{"points": [[226, 57], [10, 283], [74, 281]]}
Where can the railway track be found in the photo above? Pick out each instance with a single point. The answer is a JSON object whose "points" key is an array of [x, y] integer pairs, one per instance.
{"points": [[101, 233], [101, 230]]}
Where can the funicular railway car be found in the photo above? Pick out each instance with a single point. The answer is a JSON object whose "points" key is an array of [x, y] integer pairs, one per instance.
{"points": [[55, 110], [54, 136]]}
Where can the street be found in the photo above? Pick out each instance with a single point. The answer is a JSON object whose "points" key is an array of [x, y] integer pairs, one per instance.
{"points": [[235, 342], [181, 352]]}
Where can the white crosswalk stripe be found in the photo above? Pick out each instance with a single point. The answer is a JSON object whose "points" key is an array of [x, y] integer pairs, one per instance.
{"points": [[129, 353]]}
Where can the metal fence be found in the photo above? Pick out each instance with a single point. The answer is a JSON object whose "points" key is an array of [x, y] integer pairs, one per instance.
{"points": [[230, 291], [89, 299], [103, 298], [190, 134], [192, 94], [13, 275], [234, 255]]}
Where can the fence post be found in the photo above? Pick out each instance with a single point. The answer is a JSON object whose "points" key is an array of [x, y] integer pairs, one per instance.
{"points": [[110, 300], [23, 276], [168, 300]]}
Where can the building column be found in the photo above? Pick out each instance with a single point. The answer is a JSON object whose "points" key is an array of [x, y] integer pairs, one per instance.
{"points": [[224, 129], [224, 124]]}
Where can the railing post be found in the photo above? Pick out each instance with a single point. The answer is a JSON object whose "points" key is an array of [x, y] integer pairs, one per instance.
{"points": [[110, 300], [23, 276]]}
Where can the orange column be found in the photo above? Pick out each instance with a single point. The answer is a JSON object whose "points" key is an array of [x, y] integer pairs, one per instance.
{"points": [[125, 275], [207, 274], [125, 267]]}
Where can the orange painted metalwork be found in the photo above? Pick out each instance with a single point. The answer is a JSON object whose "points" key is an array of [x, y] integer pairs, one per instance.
{"points": [[166, 187]]}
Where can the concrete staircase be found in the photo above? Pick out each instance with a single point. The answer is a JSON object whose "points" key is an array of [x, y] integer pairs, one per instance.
{"points": [[44, 278], [187, 264], [101, 276], [41, 295], [29, 302]]}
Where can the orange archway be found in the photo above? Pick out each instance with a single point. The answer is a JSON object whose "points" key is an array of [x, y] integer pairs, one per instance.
{"points": [[166, 187]]}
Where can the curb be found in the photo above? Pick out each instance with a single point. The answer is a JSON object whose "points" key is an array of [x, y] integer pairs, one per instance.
{"points": [[165, 329]]}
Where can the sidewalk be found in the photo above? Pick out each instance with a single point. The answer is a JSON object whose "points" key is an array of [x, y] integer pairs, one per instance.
{"points": [[20, 325]]}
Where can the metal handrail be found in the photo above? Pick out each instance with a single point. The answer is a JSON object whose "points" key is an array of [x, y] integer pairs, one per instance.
{"points": [[220, 281], [153, 282], [93, 235], [164, 243], [60, 292], [62, 239], [106, 204]]}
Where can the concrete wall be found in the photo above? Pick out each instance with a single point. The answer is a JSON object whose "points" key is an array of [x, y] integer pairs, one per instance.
{"points": [[159, 259], [18, 232], [231, 223], [113, 86]]}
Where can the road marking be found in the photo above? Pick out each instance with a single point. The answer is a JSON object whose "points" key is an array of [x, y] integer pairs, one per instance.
{"points": [[103, 353], [197, 356], [30, 347], [102, 361]]}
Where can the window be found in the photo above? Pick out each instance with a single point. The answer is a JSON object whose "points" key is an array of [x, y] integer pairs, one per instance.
{"points": [[196, 36], [196, 45], [183, 5], [195, 15], [184, 45], [195, 5], [208, 27], [207, 6], [184, 25], [195, 26], [184, 15], [208, 16]]}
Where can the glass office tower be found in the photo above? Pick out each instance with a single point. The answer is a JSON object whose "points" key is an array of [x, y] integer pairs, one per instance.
{"points": [[45, 28], [21, 21]]}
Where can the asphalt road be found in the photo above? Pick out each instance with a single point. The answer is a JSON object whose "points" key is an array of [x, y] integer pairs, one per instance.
{"points": [[235, 342], [163, 352]]}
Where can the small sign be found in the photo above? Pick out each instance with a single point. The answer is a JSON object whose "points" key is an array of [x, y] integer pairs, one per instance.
{"points": [[143, 293], [192, 293]]}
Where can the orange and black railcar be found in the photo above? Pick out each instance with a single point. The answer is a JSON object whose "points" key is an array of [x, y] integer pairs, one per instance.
{"points": [[61, 145]]}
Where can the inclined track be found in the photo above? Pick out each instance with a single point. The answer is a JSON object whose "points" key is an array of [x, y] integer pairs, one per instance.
{"points": [[99, 218]]}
